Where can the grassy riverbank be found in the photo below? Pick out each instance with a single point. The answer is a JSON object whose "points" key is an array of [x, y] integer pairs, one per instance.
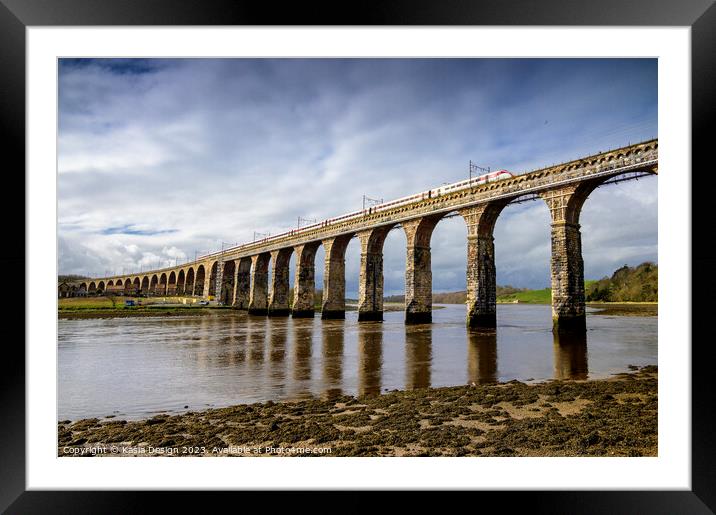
{"points": [[611, 417], [100, 307]]}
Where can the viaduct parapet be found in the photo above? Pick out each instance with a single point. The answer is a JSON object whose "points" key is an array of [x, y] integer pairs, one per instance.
{"points": [[239, 276]]}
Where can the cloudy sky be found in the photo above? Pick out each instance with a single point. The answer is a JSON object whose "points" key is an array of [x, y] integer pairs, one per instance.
{"points": [[160, 159]]}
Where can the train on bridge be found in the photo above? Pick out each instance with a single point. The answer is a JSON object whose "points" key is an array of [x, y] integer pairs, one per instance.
{"points": [[444, 189]]}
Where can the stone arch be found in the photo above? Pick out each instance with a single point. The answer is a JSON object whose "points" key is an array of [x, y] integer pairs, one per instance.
{"points": [[567, 266], [304, 286], [181, 280], [213, 272], [110, 283], [162, 284], [481, 270], [418, 269], [258, 297], [370, 289], [145, 284], [242, 287], [100, 288], [128, 286], [172, 283], [279, 287], [199, 280], [571, 205], [189, 286], [63, 290], [334, 277], [153, 282], [226, 295]]}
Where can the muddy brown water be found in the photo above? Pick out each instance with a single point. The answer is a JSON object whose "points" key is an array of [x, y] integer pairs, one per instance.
{"points": [[132, 368]]}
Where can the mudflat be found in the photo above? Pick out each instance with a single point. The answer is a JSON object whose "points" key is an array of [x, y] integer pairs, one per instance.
{"points": [[609, 417]]}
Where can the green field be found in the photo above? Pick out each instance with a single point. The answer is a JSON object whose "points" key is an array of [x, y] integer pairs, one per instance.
{"points": [[528, 297], [543, 296], [80, 303]]}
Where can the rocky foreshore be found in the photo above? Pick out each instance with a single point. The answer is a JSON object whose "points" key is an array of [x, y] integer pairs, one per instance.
{"points": [[608, 417]]}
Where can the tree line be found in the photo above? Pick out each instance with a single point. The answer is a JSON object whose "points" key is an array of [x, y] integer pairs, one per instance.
{"points": [[627, 284]]}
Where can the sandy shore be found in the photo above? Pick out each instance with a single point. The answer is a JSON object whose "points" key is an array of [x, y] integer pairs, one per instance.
{"points": [[610, 417]]}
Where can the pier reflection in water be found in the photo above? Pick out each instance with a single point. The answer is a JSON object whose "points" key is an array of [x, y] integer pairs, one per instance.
{"points": [[302, 351], [333, 342], [165, 364], [570, 356], [481, 356], [370, 356], [418, 355]]}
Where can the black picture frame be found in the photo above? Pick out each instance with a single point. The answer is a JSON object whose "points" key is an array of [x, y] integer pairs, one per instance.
{"points": [[700, 15]]}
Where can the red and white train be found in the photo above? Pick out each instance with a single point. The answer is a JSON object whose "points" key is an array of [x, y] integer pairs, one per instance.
{"points": [[443, 190]]}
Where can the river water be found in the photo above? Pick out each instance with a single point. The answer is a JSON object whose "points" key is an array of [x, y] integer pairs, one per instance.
{"points": [[136, 367]]}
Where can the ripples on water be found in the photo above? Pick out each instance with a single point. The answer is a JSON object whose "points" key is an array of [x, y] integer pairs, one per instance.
{"points": [[135, 367]]}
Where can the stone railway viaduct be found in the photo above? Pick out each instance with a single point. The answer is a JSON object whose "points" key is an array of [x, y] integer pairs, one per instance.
{"points": [[239, 276]]}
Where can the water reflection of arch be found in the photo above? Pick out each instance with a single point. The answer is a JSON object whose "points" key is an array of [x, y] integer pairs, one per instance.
{"points": [[277, 338], [481, 356], [570, 355], [202, 348], [256, 328], [234, 352], [302, 339], [370, 358], [418, 355], [333, 332]]}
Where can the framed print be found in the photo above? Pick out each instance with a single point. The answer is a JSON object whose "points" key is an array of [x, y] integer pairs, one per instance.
{"points": [[258, 233]]}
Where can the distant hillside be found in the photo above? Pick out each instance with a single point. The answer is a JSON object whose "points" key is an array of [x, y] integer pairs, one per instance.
{"points": [[459, 297], [627, 284], [70, 278]]}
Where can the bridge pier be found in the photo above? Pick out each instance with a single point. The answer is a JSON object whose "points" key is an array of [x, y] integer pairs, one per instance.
{"points": [[418, 271], [228, 282], [566, 264], [216, 280], [258, 298], [242, 283], [304, 285], [278, 292], [481, 273], [206, 285], [370, 287], [334, 277]]}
